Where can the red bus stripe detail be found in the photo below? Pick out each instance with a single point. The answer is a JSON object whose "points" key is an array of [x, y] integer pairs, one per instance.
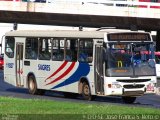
{"points": [[59, 69], [64, 74]]}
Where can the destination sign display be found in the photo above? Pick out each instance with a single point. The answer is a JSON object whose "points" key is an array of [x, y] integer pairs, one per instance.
{"points": [[129, 37]]}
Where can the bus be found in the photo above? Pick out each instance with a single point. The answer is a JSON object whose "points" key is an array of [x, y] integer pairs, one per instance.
{"points": [[87, 63]]}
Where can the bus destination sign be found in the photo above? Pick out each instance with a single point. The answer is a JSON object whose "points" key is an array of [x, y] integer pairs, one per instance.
{"points": [[129, 37]]}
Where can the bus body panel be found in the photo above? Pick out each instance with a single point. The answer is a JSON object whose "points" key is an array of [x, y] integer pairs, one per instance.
{"points": [[9, 71], [118, 83]]}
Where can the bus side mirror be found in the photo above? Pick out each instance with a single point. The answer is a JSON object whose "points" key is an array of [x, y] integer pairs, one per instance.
{"points": [[0, 45]]}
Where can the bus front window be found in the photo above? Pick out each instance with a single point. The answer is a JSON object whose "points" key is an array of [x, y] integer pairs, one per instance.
{"points": [[127, 59], [143, 59], [118, 60]]}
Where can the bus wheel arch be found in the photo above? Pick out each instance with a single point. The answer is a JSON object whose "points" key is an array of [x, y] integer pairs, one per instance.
{"points": [[84, 89], [80, 84], [32, 85]]}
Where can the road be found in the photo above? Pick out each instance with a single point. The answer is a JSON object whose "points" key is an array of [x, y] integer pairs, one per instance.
{"points": [[11, 91]]}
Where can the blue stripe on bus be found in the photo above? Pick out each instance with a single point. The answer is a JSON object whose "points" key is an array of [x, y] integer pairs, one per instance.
{"points": [[82, 70]]}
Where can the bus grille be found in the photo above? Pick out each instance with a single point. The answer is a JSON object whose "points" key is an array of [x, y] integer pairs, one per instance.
{"points": [[133, 80], [133, 93], [133, 86]]}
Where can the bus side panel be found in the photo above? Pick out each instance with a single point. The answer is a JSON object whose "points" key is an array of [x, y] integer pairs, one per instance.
{"points": [[29, 69], [83, 70], [9, 70], [61, 75], [9, 64], [51, 73]]}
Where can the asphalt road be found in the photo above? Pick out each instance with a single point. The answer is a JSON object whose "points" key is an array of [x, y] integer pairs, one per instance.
{"points": [[9, 90]]}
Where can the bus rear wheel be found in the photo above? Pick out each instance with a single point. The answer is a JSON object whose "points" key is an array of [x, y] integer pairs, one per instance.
{"points": [[32, 86], [86, 93], [128, 100]]}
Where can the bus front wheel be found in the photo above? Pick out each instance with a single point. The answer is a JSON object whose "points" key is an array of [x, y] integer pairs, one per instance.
{"points": [[128, 100], [32, 86], [86, 93]]}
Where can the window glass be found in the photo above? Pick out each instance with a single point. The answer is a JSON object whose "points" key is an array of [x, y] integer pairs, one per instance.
{"points": [[157, 58], [19, 51], [31, 49], [71, 50], [9, 47], [85, 50], [58, 49], [45, 48]]}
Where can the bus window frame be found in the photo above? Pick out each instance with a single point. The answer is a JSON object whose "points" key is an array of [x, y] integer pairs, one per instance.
{"points": [[33, 38], [85, 39], [11, 55], [48, 47], [75, 49], [59, 48]]}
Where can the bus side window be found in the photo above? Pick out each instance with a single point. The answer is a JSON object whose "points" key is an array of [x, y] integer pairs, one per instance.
{"points": [[9, 48], [31, 48], [85, 50], [44, 48], [57, 49], [71, 50]]}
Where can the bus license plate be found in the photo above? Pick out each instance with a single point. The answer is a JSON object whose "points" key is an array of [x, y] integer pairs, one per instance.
{"points": [[150, 87]]}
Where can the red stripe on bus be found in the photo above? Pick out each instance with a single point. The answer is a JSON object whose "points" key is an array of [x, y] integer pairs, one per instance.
{"points": [[59, 69], [64, 74]]}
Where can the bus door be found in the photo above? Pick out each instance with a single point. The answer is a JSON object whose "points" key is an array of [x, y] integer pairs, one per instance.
{"points": [[19, 64], [98, 70]]}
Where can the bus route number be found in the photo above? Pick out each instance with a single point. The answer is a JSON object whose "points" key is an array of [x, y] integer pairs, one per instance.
{"points": [[44, 67], [9, 65]]}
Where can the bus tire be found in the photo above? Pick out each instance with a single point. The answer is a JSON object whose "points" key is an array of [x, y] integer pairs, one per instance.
{"points": [[32, 86], [128, 100], [86, 92]]}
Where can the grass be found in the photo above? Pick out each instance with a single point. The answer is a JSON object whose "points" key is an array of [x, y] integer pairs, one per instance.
{"points": [[17, 106]]}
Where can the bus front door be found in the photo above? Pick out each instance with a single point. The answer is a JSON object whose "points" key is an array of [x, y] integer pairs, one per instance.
{"points": [[98, 70], [19, 64]]}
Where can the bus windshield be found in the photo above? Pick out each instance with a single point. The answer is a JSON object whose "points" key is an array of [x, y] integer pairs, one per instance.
{"points": [[129, 59]]}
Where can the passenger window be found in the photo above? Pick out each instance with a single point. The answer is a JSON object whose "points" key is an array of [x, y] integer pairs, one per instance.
{"points": [[45, 48], [31, 49], [9, 47], [85, 50], [71, 50], [58, 49]]}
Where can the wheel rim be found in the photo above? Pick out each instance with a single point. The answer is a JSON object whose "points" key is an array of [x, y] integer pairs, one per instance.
{"points": [[31, 85], [86, 90]]}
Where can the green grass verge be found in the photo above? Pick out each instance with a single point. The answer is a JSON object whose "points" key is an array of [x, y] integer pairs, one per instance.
{"points": [[37, 107]]}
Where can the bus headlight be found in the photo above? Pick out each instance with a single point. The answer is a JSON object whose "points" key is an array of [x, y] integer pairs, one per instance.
{"points": [[116, 85]]}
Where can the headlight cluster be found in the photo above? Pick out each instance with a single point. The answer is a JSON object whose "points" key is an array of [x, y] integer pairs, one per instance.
{"points": [[114, 85]]}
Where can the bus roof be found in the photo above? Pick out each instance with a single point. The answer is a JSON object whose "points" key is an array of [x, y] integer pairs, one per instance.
{"points": [[56, 33], [61, 33]]}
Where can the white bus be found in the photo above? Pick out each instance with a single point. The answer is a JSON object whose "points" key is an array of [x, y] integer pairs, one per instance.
{"points": [[90, 63]]}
